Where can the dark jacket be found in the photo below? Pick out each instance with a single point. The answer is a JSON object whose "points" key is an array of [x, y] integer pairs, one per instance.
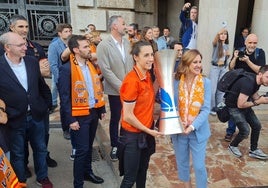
{"points": [[4, 135], [187, 25], [64, 87], [17, 99]]}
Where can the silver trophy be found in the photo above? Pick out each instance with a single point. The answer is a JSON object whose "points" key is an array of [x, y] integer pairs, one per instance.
{"points": [[169, 122]]}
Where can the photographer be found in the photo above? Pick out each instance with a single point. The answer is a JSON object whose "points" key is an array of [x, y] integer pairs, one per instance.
{"points": [[188, 31], [250, 59]]}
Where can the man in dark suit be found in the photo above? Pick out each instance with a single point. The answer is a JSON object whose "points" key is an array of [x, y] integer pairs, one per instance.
{"points": [[82, 103], [27, 99], [20, 25]]}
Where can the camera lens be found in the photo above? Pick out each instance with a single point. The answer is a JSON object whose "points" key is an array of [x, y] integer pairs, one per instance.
{"points": [[241, 54]]}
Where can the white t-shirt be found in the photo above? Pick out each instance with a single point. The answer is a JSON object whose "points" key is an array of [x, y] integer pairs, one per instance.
{"points": [[192, 43]]}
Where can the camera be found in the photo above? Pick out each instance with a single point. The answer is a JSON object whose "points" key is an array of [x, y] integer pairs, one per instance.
{"points": [[241, 54], [266, 94]]}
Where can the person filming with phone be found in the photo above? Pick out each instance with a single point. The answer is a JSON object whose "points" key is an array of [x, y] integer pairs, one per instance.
{"points": [[188, 30]]}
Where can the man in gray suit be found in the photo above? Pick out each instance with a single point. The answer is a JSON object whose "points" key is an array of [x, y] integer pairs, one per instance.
{"points": [[115, 62]]}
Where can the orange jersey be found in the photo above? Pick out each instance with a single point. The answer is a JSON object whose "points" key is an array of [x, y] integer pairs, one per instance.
{"points": [[138, 88], [93, 48]]}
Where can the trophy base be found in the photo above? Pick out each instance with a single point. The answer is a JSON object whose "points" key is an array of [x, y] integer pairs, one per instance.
{"points": [[169, 126]]}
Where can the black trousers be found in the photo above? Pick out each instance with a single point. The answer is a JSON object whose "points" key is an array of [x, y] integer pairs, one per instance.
{"points": [[135, 151], [115, 108]]}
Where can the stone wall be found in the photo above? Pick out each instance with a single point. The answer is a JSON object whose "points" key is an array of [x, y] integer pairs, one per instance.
{"points": [[145, 12], [259, 22], [97, 12]]}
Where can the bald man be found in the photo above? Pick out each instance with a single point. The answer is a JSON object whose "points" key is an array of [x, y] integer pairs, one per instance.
{"points": [[250, 59], [27, 98], [19, 24]]}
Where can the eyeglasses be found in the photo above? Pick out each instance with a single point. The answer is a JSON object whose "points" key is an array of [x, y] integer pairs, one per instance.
{"points": [[19, 45]]}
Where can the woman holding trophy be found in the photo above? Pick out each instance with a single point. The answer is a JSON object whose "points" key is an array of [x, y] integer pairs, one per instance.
{"points": [[136, 141], [192, 96]]}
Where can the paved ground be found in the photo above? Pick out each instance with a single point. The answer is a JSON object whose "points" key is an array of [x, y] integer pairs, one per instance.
{"points": [[224, 170], [162, 172], [62, 176]]}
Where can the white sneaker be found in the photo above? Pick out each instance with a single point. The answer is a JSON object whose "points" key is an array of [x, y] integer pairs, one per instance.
{"points": [[258, 154], [235, 151]]}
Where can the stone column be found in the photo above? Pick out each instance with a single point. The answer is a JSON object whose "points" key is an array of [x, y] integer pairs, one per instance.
{"points": [[212, 15], [173, 21], [259, 24]]}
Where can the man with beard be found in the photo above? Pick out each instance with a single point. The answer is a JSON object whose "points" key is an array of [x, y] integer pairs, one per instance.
{"points": [[242, 97], [82, 104], [115, 62], [250, 59], [133, 34]]}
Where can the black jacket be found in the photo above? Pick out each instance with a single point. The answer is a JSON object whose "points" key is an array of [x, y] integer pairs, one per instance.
{"points": [[17, 99]]}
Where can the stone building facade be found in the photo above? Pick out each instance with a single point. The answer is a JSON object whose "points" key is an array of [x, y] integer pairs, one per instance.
{"points": [[97, 12], [212, 16], [43, 16]]}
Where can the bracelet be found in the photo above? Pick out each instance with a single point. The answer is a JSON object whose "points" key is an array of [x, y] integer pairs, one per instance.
{"points": [[2, 109]]}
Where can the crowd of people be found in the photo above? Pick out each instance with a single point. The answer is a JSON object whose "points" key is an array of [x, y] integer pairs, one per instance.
{"points": [[85, 67]]}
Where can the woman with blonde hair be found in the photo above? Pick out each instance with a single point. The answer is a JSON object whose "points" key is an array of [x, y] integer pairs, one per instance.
{"points": [[192, 97], [219, 66]]}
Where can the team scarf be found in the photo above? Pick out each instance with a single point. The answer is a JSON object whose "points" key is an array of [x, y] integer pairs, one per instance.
{"points": [[190, 102], [8, 177], [80, 95]]}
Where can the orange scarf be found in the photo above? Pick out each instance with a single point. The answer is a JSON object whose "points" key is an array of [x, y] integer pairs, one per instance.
{"points": [[190, 103], [80, 95], [8, 177]]}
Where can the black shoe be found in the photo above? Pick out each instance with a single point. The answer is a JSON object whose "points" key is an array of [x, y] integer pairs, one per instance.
{"points": [[113, 154], [51, 162], [28, 173], [66, 135], [93, 178]]}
